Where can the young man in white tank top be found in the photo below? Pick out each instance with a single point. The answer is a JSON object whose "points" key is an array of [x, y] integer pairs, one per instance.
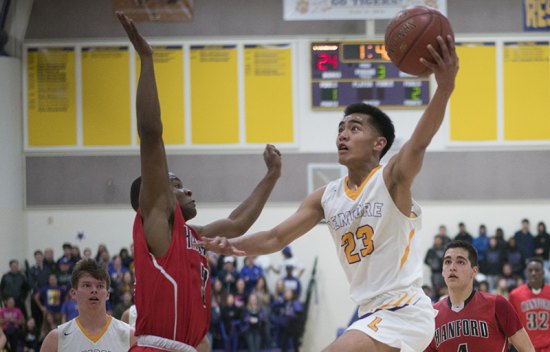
{"points": [[373, 220], [93, 329]]}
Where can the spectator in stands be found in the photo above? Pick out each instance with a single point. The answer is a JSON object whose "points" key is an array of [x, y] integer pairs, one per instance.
{"points": [[462, 234], [501, 288], [126, 258], [50, 298], [501, 241], [481, 243], [291, 322], [483, 286], [125, 286], [125, 303], [87, 253], [12, 320], [240, 294], [515, 258], [250, 273], [38, 276], [494, 260], [100, 249], [69, 308], [228, 274], [49, 259], [542, 244], [289, 260], [48, 325], [75, 254], [231, 316], [255, 321], [262, 292], [66, 258], [442, 231], [218, 293], [292, 282], [31, 336], [525, 240], [511, 280], [102, 257], [14, 284], [64, 272], [116, 271], [434, 260]]}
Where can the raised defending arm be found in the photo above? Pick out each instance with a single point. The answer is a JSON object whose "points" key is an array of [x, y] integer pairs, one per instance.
{"points": [[156, 201]]}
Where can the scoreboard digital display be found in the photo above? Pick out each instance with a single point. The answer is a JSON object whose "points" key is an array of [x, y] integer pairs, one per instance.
{"points": [[344, 73]]}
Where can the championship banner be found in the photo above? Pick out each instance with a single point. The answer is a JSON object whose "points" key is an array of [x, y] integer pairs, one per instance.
{"points": [[536, 15], [155, 10], [302, 10]]}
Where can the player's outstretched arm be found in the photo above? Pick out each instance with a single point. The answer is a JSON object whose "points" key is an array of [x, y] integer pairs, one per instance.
{"points": [[407, 163], [240, 219], [50, 342], [522, 342], [156, 199], [304, 219]]}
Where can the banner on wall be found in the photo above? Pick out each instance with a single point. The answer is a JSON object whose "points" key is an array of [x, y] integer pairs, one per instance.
{"points": [[536, 15], [156, 10], [300, 10]]}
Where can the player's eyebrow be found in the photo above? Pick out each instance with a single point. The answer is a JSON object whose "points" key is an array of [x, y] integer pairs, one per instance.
{"points": [[457, 257]]}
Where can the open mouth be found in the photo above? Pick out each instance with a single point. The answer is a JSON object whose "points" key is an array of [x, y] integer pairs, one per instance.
{"points": [[342, 147]]}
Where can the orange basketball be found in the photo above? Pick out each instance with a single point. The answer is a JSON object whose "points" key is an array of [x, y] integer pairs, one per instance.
{"points": [[408, 34]]}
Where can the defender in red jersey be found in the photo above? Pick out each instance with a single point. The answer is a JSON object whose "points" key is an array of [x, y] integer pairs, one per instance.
{"points": [[471, 321], [172, 292], [532, 303]]}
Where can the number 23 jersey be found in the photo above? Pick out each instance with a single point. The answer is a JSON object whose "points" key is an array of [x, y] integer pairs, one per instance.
{"points": [[374, 239]]}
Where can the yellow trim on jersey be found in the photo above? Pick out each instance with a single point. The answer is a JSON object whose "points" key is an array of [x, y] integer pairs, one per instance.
{"points": [[406, 254], [354, 194], [94, 338]]}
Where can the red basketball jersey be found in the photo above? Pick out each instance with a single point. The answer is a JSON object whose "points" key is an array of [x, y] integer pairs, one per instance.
{"points": [[484, 324], [534, 312], [172, 292]]}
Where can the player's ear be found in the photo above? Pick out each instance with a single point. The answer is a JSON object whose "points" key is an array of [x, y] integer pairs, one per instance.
{"points": [[380, 143]]}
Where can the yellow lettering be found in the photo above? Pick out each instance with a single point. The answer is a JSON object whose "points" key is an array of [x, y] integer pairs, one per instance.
{"points": [[530, 13], [540, 11]]}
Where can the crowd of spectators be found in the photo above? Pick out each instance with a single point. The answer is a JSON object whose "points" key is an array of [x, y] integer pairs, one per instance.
{"points": [[246, 315], [501, 261]]}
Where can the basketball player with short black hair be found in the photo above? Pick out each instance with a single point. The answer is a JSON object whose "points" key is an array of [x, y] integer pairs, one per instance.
{"points": [[469, 320], [373, 220], [532, 303]]}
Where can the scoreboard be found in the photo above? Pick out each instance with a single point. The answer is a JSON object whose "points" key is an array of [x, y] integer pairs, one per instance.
{"points": [[344, 73]]}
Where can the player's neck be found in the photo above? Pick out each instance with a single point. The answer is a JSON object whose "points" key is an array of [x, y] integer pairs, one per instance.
{"points": [[356, 176], [93, 322], [458, 296]]}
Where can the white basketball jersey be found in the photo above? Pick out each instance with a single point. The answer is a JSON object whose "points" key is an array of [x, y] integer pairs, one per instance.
{"points": [[375, 242], [73, 337], [132, 316]]}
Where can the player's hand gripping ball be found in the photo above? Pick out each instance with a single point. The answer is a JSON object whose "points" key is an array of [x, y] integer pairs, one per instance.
{"points": [[408, 34]]}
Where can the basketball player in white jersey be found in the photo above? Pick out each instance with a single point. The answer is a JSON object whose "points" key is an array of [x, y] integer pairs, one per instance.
{"points": [[373, 220], [93, 329]]}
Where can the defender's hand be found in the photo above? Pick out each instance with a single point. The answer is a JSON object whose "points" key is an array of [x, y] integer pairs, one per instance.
{"points": [[272, 158], [140, 44]]}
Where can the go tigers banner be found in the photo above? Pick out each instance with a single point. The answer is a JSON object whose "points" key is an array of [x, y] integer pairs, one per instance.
{"points": [[299, 10], [155, 10]]}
